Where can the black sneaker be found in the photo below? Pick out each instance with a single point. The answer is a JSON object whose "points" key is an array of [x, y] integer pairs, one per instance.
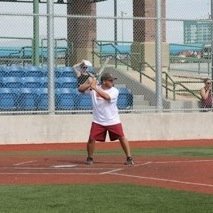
{"points": [[89, 161], [129, 161]]}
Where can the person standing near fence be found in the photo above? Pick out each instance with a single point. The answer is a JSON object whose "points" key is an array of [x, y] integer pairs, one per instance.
{"points": [[82, 73], [105, 116], [206, 95]]}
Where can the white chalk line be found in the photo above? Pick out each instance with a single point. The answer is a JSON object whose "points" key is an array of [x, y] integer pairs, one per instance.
{"points": [[74, 165], [111, 171], [181, 161], [163, 180], [49, 173], [64, 166], [56, 168], [142, 164], [25, 162], [120, 169]]}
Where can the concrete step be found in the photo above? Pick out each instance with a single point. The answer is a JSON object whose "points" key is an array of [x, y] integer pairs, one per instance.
{"points": [[120, 85], [143, 107], [138, 98], [141, 103]]}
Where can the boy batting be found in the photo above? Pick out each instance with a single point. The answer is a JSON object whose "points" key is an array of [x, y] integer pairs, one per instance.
{"points": [[105, 115]]}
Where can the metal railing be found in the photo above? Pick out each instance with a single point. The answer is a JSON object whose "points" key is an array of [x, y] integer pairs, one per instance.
{"points": [[65, 50], [168, 82], [197, 65], [116, 53], [24, 54]]}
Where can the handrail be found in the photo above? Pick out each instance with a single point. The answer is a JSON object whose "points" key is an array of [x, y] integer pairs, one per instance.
{"points": [[167, 76], [18, 54], [189, 59], [185, 60], [100, 55], [174, 83], [56, 46], [190, 91]]}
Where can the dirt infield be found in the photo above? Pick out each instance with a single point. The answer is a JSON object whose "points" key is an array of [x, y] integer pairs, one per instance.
{"points": [[167, 172]]}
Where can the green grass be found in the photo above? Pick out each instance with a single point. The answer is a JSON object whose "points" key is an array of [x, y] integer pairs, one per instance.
{"points": [[180, 151], [100, 199]]}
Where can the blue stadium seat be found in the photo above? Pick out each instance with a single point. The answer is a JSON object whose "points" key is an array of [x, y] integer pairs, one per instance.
{"points": [[65, 72], [1, 83], [125, 98], [34, 71], [8, 99], [12, 82], [15, 71], [44, 81], [3, 67], [66, 82], [84, 101], [32, 82], [44, 69], [3, 73], [65, 98], [43, 99], [124, 90], [28, 99]]}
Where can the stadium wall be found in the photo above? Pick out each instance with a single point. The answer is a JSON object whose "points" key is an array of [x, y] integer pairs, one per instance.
{"points": [[32, 129]]}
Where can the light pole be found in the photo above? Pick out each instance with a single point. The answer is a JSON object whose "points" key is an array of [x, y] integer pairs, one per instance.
{"points": [[122, 25]]}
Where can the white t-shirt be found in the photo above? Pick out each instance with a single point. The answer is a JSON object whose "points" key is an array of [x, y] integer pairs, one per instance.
{"points": [[105, 112]]}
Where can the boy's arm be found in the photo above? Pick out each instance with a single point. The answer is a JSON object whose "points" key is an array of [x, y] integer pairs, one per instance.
{"points": [[99, 91]]}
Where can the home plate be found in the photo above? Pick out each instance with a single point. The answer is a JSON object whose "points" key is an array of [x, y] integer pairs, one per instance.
{"points": [[64, 166]]}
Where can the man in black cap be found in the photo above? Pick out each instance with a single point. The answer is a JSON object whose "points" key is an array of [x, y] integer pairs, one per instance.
{"points": [[105, 115]]}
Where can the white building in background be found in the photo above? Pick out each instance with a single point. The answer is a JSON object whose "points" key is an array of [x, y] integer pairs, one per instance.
{"points": [[197, 32]]}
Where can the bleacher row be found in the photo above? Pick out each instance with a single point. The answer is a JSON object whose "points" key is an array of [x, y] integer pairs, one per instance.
{"points": [[26, 88]]}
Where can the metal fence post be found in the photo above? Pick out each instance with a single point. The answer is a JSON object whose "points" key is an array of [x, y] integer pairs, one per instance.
{"points": [[166, 77], [212, 40], [50, 45], [35, 54], [158, 57]]}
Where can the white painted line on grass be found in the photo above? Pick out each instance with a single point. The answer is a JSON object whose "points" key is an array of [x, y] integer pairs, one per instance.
{"points": [[164, 180], [25, 162]]}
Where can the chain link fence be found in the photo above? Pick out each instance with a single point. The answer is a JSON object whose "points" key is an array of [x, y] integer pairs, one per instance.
{"points": [[120, 39]]}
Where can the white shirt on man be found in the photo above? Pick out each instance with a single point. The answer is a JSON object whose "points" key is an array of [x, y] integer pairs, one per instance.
{"points": [[105, 112]]}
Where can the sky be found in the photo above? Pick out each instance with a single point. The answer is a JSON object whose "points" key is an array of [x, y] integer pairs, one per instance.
{"points": [[176, 9]]}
